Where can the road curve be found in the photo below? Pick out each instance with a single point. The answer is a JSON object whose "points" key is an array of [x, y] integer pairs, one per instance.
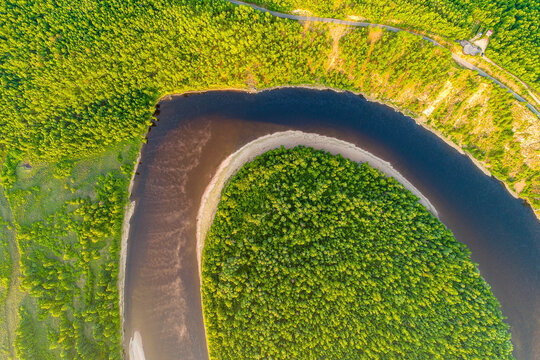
{"points": [[460, 61]]}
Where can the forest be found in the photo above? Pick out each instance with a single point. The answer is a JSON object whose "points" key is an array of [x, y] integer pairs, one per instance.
{"points": [[313, 256], [79, 81], [91, 82], [515, 43]]}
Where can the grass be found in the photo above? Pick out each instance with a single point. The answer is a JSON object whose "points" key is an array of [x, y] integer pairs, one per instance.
{"points": [[38, 194], [46, 192], [10, 295]]}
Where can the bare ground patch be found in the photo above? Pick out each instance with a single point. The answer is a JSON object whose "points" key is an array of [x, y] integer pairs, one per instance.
{"points": [[445, 92], [527, 134], [336, 33], [519, 186]]}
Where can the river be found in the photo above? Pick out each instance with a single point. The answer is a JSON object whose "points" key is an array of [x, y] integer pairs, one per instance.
{"points": [[196, 132]]}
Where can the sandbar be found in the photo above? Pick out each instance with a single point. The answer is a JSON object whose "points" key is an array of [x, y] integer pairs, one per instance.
{"points": [[136, 351], [288, 139]]}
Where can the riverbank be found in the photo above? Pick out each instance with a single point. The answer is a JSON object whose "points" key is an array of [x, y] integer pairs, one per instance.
{"points": [[128, 213], [196, 133], [288, 139], [419, 120]]}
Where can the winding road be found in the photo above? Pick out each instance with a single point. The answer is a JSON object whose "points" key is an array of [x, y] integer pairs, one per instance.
{"points": [[462, 62]]}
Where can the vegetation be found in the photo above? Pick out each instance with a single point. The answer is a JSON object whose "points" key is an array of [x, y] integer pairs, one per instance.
{"points": [[515, 43], [6, 268], [90, 82], [68, 221], [78, 85], [312, 256]]}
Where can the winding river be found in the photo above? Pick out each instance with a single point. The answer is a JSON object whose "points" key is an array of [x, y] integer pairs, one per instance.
{"points": [[196, 132]]}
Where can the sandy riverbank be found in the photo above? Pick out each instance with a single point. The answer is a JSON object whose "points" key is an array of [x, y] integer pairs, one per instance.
{"points": [[128, 213], [129, 210], [288, 139]]}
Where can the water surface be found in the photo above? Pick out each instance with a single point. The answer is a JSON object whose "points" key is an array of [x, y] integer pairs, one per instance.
{"points": [[196, 133]]}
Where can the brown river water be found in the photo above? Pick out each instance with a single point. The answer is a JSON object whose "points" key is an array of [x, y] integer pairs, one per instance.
{"points": [[195, 133]]}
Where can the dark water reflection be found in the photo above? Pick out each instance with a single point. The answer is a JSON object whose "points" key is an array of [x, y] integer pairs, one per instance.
{"points": [[196, 133]]}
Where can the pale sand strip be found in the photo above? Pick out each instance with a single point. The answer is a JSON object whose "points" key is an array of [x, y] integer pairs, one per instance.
{"points": [[128, 213], [136, 351], [288, 139]]}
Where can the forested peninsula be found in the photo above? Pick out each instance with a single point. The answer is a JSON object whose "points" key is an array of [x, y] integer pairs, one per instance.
{"points": [[79, 84], [314, 256]]}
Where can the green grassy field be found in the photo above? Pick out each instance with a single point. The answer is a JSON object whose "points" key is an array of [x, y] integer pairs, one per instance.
{"points": [[68, 220]]}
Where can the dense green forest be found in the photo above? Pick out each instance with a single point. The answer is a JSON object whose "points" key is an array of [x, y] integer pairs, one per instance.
{"points": [[75, 81], [313, 256], [79, 81], [515, 43]]}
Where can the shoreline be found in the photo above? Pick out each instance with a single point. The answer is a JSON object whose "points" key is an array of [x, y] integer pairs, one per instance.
{"points": [[320, 87], [419, 120], [131, 205], [288, 139], [129, 209]]}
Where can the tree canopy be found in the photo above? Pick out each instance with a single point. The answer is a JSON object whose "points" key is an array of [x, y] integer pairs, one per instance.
{"points": [[80, 77], [313, 256], [515, 43]]}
